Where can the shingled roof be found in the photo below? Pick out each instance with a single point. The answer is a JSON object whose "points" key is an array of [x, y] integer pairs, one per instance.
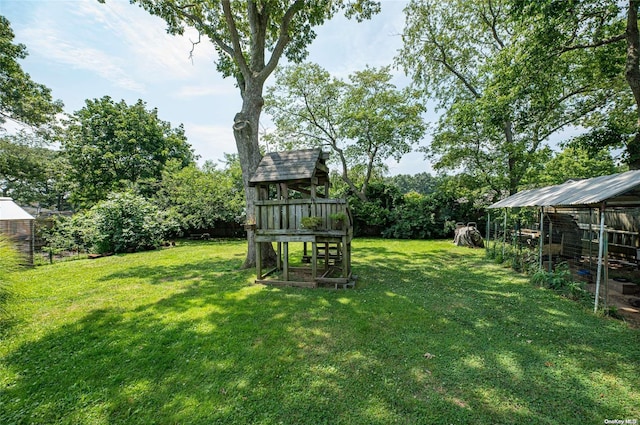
{"points": [[276, 167]]}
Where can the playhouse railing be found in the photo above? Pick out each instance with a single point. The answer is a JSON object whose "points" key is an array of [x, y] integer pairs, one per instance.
{"points": [[288, 216]]}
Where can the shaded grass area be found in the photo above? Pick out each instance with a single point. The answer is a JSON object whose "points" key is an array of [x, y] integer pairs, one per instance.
{"points": [[432, 334]]}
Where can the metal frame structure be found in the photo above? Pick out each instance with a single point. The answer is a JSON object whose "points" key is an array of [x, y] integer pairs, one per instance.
{"points": [[613, 191]]}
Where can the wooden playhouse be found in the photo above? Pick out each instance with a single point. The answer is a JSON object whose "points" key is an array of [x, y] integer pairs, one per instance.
{"points": [[293, 207]]}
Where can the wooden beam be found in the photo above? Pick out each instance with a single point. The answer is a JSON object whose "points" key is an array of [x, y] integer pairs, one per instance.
{"points": [[258, 260], [285, 238], [285, 270], [294, 283]]}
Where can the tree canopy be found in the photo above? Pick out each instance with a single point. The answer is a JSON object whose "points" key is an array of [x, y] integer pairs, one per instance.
{"points": [[364, 121], [111, 145], [203, 197], [31, 172], [21, 99], [604, 33], [503, 91]]}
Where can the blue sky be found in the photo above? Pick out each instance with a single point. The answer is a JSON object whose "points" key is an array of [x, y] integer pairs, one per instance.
{"points": [[82, 49]]}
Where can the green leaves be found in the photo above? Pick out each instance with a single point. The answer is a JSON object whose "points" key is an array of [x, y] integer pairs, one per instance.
{"points": [[111, 146], [201, 198], [364, 121], [21, 99], [508, 77], [126, 222], [30, 172]]}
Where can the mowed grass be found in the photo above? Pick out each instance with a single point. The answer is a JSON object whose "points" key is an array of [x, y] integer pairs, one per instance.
{"points": [[432, 334]]}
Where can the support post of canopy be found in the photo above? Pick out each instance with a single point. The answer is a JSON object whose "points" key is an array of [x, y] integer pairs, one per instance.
{"points": [[550, 245], [590, 239], [600, 254], [541, 237], [488, 234], [504, 233]]}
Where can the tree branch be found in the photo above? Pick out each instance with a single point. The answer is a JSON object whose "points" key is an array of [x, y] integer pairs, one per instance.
{"points": [[444, 61], [493, 24], [283, 39], [599, 43], [236, 52], [200, 25]]}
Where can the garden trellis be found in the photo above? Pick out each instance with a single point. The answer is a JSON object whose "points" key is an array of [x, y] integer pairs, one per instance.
{"points": [[607, 195]]}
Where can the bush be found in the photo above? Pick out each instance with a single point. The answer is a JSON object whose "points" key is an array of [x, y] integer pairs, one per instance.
{"points": [[63, 233], [126, 222], [10, 260], [560, 281], [413, 219]]}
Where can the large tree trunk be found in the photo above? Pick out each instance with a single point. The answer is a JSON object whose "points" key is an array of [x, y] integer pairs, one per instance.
{"points": [[632, 74], [245, 131]]}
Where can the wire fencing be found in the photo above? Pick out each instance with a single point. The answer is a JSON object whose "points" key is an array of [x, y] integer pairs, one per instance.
{"points": [[566, 242]]}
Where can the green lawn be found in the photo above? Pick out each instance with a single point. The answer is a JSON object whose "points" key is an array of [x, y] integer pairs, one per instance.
{"points": [[432, 334]]}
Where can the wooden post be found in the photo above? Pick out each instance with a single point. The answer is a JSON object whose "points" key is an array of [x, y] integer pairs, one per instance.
{"points": [[314, 261], [285, 271], [326, 256], [259, 260], [279, 256], [345, 261]]}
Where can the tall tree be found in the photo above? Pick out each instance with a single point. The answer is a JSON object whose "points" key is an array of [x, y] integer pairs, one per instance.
{"points": [[251, 37], [112, 145], [21, 99], [576, 163], [605, 32], [502, 93], [32, 173], [364, 121]]}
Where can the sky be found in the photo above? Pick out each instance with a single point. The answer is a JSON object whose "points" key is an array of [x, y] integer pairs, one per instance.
{"points": [[82, 49]]}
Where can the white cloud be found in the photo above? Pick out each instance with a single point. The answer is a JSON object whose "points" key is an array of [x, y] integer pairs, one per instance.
{"points": [[211, 142], [213, 90], [121, 43], [153, 52]]}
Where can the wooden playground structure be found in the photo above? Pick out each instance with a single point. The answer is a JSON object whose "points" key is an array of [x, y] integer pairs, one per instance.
{"points": [[293, 207]]}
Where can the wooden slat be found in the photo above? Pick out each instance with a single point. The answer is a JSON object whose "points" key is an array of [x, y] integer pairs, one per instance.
{"points": [[285, 238]]}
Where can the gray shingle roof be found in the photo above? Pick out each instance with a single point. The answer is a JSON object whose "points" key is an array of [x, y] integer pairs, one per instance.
{"points": [[617, 190], [289, 166]]}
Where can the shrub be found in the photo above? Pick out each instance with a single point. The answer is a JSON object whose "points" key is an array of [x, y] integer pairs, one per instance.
{"points": [[126, 222], [560, 281], [311, 222]]}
